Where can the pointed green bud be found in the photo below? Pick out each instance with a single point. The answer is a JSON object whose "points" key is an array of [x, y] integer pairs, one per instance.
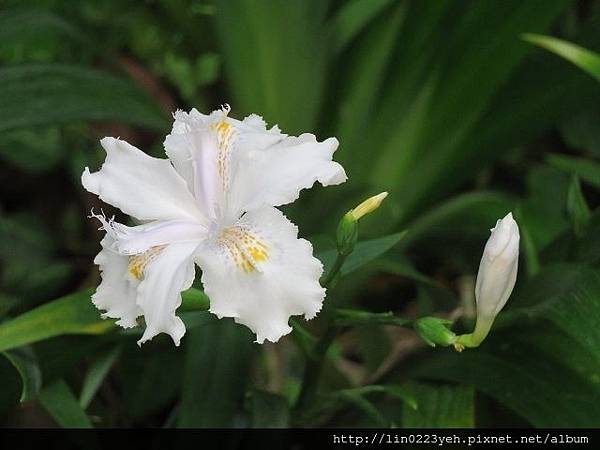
{"points": [[347, 234], [347, 231], [435, 331]]}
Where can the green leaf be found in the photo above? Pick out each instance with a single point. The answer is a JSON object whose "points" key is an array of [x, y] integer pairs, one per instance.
{"points": [[540, 389], [12, 386], [37, 95], [30, 279], [466, 214], [368, 62], [218, 358], [23, 359], [56, 363], [269, 410], [352, 18], [23, 23], [363, 253], [529, 247], [72, 314], [540, 93], [358, 397], [399, 264], [586, 169], [367, 251], [542, 212], [286, 65], [582, 131], [403, 394], [58, 399], [575, 312], [96, 374], [588, 246], [150, 377], [577, 207], [410, 53], [38, 150], [581, 57], [455, 91], [441, 406], [563, 294], [75, 314]]}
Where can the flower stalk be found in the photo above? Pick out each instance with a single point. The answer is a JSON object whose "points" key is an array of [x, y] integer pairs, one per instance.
{"points": [[346, 237]]}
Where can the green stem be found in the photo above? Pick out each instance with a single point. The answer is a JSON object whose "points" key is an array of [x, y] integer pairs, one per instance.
{"points": [[314, 364], [312, 371], [332, 273], [349, 317], [471, 340]]}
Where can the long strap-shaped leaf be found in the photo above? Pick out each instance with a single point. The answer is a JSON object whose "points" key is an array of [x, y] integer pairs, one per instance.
{"points": [[43, 94], [581, 57]]}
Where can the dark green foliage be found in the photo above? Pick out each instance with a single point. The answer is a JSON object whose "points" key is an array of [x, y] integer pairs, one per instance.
{"points": [[446, 104]]}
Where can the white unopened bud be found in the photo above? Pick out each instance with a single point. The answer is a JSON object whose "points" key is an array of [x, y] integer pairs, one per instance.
{"points": [[495, 279]]}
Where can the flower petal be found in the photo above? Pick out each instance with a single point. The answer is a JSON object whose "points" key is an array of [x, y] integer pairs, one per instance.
{"points": [[117, 293], [260, 273], [140, 238], [159, 292], [254, 166], [193, 149], [139, 185], [275, 175]]}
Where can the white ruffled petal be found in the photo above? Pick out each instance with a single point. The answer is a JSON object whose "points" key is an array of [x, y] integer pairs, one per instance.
{"points": [[275, 175], [117, 293], [142, 186], [193, 149], [252, 166], [271, 168], [138, 239], [169, 272], [260, 273]]}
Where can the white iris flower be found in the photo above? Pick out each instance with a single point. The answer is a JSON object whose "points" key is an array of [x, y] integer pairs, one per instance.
{"points": [[212, 202]]}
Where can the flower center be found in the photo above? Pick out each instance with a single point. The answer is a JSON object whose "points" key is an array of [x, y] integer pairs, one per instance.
{"points": [[137, 263], [245, 248]]}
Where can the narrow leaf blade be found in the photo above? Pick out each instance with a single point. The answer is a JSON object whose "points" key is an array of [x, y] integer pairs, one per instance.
{"points": [[58, 399], [584, 59]]}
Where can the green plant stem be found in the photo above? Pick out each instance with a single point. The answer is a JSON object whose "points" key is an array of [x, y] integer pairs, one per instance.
{"points": [[474, 339], [314, 364], [334, 271]]}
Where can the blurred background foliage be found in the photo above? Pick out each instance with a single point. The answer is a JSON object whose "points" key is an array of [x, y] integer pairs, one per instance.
{"points": [[440, 102]]}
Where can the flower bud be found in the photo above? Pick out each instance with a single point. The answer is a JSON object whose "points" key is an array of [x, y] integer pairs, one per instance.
{"points": [[347, 231], [495, 279], [435, 331], [368, 206], [347, 234]]}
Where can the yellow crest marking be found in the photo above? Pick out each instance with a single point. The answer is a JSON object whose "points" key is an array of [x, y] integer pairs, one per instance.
{"points": [[245, 249], [225, 139], [137, 263]]}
